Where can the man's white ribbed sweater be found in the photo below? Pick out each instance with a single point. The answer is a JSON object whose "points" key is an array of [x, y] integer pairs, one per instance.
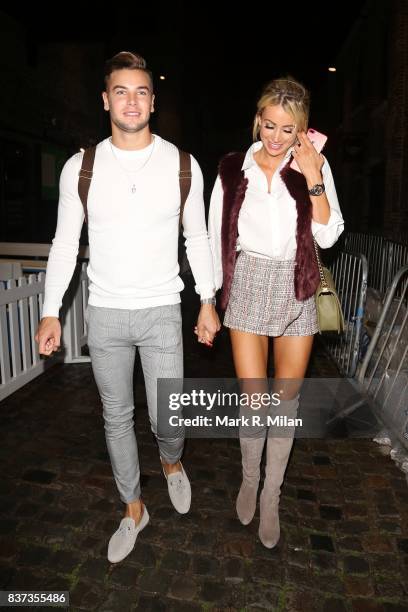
{"points": [[133, 238]]}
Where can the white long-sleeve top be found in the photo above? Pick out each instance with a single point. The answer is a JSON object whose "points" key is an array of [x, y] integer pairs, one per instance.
{"points": [[267, 221], [133, 237]]}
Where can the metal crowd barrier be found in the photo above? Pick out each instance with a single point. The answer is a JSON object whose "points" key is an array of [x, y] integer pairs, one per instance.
{"points": [[21, 304], [350, 276], [371, 246], [383, 375], [397, 256], [385, 257]]}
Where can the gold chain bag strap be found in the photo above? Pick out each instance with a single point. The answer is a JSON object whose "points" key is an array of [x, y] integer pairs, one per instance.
{"points": [[329, 314]]}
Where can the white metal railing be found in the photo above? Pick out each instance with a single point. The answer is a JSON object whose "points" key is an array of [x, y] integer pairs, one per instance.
{"points": [[21, 304], [33, 249], [74, 332]]}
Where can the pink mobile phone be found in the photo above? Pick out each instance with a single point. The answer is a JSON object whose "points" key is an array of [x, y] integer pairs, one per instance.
{"points": [[318, 140]]}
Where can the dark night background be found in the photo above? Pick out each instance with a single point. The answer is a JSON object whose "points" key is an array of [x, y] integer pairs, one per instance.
{"points": [[216, 57], [345, 503]]}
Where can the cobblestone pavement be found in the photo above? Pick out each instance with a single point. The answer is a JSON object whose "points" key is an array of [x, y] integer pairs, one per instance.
{"points": [[344, 511]]}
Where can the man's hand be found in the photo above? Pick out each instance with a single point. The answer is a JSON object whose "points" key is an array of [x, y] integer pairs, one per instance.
{"points": [[208, 324], [48, 335]]}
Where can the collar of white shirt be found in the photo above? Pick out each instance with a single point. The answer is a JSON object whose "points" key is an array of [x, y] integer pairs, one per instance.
{"points": [[249, 160]]}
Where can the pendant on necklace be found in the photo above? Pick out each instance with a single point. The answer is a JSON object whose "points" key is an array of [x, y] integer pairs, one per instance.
{"points": [[133, 190]]}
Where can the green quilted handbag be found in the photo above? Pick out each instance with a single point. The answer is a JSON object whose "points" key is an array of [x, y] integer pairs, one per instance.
{"points": [[328, 308]]}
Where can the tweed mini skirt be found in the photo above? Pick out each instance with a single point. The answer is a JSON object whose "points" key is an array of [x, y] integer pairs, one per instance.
{"points": [[262, 299]]}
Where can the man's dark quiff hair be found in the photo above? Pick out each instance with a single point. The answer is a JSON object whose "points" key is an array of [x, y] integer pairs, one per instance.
{"points": [[126, 60]]}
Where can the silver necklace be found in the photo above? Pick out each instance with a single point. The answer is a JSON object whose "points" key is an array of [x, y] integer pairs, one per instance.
{"points": [[127, 172]]}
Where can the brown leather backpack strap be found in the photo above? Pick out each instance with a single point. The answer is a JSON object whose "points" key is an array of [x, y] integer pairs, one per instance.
{"points": [[85, 177], [185, 181]]}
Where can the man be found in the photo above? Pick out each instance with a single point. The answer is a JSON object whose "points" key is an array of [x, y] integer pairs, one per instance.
{"points": [[133, 216]]}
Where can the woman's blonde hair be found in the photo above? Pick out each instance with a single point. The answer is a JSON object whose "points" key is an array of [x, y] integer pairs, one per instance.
{"points": [[288, 93]]}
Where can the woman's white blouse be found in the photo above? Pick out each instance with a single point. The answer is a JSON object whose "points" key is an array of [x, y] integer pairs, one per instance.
{"points": [[267, 221]]}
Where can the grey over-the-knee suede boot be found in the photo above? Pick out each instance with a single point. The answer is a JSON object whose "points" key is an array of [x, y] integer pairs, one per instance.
{"points": [[251, 450], [277, 456]]}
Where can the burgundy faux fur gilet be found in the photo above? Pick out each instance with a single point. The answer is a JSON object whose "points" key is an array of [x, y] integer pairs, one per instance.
{"points": [[234, 185]]}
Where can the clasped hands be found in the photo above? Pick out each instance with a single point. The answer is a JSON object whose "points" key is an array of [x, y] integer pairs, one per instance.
{"points": [[208, 324]]}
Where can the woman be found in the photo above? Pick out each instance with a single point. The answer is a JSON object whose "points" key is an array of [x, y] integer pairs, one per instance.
{"points": [[269, 214]]}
